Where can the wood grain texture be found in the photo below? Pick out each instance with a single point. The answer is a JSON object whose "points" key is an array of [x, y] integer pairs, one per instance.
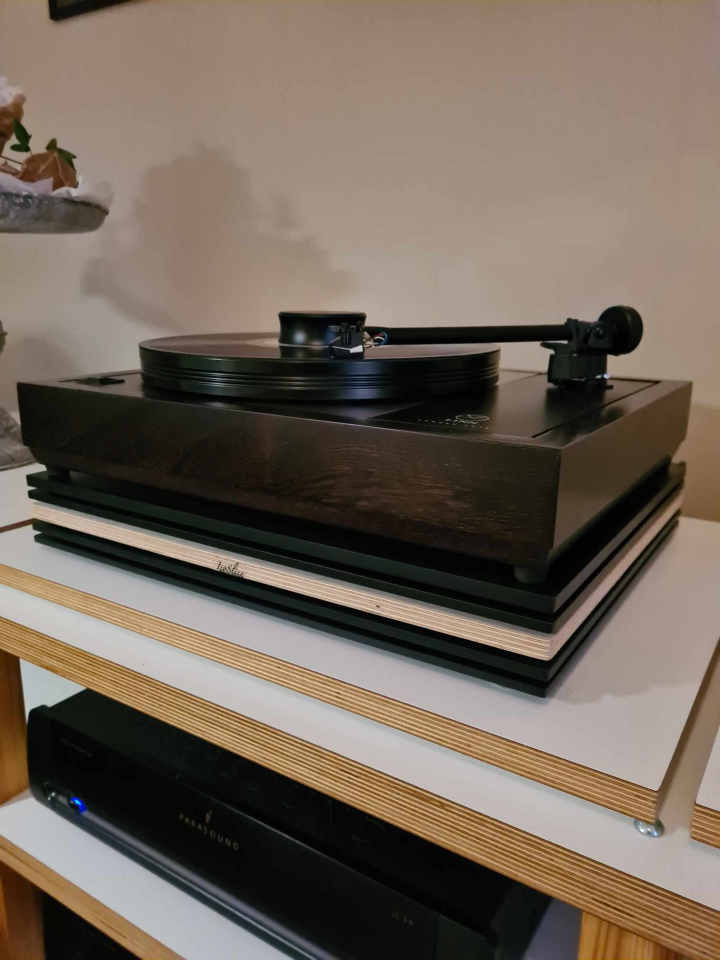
{"points": [[600, 940], [34, 872], [583, 488], [20, 909], [20, 917], [15, 526], [427, 616], [603, 789], [416, 486], [705, 825], [494, 496], [619, 898], [13, 758]]}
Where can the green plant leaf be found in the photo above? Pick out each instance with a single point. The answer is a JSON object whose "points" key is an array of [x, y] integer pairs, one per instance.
{"points": [[20, 148], [21, 134], [52, 144], [67, 156]]}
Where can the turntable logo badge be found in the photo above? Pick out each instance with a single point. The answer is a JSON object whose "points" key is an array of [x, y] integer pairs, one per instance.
{"points": [[225, 566]]}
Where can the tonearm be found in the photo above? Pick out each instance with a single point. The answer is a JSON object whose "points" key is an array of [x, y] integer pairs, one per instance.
{"points": [[579, 348]]}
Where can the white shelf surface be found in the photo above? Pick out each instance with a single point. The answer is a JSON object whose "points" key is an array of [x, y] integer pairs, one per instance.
{"points": [[175, 919], [673, 862], [709, 792], [634, 683], [14, 504]]}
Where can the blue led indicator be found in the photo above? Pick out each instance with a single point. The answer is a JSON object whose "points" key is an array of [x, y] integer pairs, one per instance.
{"points": [[77, 805]]}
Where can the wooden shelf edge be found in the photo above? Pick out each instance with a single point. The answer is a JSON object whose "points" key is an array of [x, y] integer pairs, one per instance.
{"points": [[90, 909], [705, 825], [603, 789], [15, 526], [21, 928], [600, 940], [595, 888]]}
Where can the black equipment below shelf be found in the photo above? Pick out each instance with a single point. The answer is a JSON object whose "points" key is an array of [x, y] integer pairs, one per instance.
{"points": [[310, 874]]}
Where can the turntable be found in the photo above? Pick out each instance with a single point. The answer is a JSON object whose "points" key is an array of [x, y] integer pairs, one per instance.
{"points": [[388, 484]]}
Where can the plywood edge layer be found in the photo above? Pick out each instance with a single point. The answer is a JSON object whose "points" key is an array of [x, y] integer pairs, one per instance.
{"points": [[627, 798], [417, 613], [600, 940], [90, 909], [705, 825], [593, 887], [428, 616], [15, 526]]}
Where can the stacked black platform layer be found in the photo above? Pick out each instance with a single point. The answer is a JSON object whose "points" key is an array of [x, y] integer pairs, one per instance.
{"points": [[427, 576], [311, 874]]}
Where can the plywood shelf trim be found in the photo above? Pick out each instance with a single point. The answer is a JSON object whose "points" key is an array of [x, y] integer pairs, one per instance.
{"points": [[621, 899]]}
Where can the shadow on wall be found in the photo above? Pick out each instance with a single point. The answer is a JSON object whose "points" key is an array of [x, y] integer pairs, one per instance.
{"points": [[200, 253], [29, 358], [702, 452]]}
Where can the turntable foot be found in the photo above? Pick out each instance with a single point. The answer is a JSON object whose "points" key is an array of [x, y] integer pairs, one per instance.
{"points": [[531, 574], [57, 473], [653, 830]]}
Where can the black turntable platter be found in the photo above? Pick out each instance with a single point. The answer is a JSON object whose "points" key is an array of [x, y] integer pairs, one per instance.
{"points": [[256, 366]]}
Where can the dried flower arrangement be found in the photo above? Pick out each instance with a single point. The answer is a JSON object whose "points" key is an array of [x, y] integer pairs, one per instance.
{"points": [[54, 163], [47, 172]]}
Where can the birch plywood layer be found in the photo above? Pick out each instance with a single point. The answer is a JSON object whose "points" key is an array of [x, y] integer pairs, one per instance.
{"points": [[635, 684], [481, 630], [665, 891], [706, 813]]}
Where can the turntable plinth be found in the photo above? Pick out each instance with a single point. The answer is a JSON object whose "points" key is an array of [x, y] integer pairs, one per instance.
{"points": [[510, 473]]}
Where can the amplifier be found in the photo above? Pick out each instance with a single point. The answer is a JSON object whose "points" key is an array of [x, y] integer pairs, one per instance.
{"points": [[310, 874]]}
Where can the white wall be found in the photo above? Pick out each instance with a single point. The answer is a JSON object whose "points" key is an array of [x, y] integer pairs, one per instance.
{"points": [[428, 161]]}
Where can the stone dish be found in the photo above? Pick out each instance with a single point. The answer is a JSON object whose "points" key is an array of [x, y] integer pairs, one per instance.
{"points": [[34, 213]]}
